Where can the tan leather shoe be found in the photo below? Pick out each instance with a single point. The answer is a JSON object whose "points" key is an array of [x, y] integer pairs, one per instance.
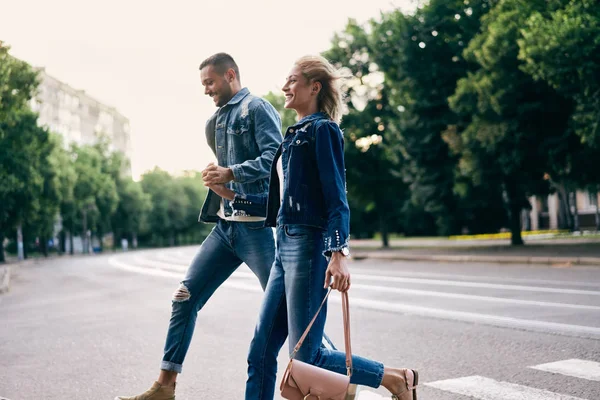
{"points": [[156, 392], [411, 379]]}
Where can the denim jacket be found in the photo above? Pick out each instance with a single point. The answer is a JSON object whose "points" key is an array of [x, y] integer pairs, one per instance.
{"points": [[314, 191], [244, 135]]}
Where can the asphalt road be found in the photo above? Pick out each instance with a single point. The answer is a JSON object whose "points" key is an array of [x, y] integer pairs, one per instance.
{"points": [[91, 328]]}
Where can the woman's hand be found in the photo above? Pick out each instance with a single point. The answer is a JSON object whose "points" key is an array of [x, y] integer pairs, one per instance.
{"points": [[222, 190], [338, 270]]}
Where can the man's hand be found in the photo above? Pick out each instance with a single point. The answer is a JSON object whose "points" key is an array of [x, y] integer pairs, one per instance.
{"points": [[338, 270], [214, 174], [222, 191]]}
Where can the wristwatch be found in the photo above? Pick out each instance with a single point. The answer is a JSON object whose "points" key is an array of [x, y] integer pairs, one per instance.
{"points": [[345, 251]]}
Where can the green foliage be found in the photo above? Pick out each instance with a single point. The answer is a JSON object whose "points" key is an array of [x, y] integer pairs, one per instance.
{"points": [[561, 46]]}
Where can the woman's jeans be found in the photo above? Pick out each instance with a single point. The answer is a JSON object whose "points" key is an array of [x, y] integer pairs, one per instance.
{"points": [[293, 295], [227, 246]]}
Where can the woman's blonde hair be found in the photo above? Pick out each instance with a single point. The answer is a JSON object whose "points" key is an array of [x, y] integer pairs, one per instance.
{"points": [[318, 69]]}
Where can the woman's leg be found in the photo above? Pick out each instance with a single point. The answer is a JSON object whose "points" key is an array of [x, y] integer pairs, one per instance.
{"points": [[304, 268], [269, 336]]}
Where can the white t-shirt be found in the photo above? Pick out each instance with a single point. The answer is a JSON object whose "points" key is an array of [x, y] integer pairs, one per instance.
{"points": [[280, 175]]}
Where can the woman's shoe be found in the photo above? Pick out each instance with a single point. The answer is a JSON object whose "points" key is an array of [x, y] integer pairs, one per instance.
{"points": [[411, 379]]}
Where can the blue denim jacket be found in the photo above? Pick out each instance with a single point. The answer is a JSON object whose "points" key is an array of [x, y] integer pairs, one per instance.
{"points": [[314, 191], [244, 135]]}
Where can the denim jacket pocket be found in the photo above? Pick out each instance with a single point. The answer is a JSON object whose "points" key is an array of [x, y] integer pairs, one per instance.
{"points": [[237, 130], [299, 141]]}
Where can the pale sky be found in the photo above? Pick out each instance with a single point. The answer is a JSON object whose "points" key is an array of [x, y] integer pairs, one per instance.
{"points": [[142, 57]]}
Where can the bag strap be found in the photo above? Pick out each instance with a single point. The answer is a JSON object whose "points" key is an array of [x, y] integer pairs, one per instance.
{"points": [[346, 316]]}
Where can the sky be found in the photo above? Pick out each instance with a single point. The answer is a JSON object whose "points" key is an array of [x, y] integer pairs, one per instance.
{"points": [[142, 57]]}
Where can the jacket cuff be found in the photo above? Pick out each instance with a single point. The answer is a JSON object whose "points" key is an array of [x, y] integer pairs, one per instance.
{"points": [[238, 174], [336, 240], [253, 205]]}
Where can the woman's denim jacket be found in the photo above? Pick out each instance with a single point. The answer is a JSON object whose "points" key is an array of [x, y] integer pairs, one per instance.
{"points": [[315, 182]]}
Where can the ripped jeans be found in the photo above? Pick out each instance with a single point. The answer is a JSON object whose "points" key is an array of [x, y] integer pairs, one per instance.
{"points": [[227, 246]]}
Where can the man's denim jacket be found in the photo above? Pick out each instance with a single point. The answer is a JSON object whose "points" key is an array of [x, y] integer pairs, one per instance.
{"points": [[314, 190], [244, 135]]}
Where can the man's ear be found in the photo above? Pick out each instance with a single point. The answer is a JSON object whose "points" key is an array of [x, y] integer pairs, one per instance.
{"points": [[230, 75]]}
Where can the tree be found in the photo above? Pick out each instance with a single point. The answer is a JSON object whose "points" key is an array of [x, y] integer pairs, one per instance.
{"points": [[132, 211], [169, 205], [20, 143], [561, 46], [23, 156], [375, 187], [95, 193], [421, 57], [508, 122]]}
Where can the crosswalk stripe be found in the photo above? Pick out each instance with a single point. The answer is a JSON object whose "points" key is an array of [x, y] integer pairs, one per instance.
{"points": [[483, 388], [401, 279], [584, 369], [494, 320], [439, 282], [428, 293]]}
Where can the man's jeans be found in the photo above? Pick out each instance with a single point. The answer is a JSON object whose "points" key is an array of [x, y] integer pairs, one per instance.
{"points": [[227, 246], [293, 295]]}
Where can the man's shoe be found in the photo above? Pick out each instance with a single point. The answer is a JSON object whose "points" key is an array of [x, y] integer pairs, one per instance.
{"points": [[156, 392]]}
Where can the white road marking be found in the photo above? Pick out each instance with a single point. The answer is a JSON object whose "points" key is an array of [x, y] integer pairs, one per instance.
{"points": [[494, 320], [483, 388], [584, 369]]}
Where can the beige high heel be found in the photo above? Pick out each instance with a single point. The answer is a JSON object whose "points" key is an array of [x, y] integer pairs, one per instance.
{"points": [[411, 379]]}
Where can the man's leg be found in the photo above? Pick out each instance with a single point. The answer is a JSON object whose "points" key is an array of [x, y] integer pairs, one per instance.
{"points": [[212, 265], [255, 245]]}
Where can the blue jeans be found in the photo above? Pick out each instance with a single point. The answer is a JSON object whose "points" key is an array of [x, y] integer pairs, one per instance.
{"points": [[222, 252], [293, 295]]}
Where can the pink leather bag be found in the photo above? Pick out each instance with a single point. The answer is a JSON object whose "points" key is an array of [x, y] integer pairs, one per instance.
{"points": [[302, 381]]}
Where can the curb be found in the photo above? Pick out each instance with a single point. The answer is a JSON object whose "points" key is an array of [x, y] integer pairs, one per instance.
{"points": [[479, 258]]}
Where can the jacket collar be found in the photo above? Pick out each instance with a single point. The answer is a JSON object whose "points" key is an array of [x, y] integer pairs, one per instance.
{"points": [[309, 119], [238, 96]]}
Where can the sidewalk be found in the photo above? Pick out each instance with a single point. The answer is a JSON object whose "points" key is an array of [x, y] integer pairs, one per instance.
{"points": [[564, 252]]}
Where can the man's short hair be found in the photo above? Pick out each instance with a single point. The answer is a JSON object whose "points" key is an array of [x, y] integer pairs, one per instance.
{"points": [[221, 62]]}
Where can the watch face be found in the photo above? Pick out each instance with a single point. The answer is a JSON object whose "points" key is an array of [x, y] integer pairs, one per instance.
{"points": [[345, 251]]}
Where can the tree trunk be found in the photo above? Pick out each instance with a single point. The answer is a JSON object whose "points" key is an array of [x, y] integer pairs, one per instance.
{"points": [[515, 205], [101, 239], [71, 240], [597, 213], [515, 224], [564, 213], [85, 249], [62, 247], [384, 231], [20, 247], [2, 256], [44, 246], [575, 212], [134, 242]]}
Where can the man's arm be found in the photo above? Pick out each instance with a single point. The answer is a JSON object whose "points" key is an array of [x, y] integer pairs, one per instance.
{"points": [[267, 133]]}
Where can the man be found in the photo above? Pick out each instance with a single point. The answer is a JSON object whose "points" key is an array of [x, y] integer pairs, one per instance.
{"points": [[244, 134]]}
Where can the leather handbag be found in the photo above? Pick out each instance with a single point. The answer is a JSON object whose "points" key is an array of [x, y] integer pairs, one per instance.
{"points": [[302, 381]]}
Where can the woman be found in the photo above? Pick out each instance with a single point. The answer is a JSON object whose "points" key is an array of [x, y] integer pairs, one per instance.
{"points": [[308, 206]]}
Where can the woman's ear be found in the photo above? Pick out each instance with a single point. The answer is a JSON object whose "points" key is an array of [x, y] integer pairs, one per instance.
{"points": [[316, 87]]}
